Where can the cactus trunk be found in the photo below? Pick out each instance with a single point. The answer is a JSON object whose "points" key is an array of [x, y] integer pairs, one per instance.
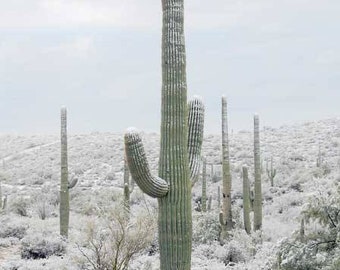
{"points": [[204, 186], [257, 184], [246, 200], [64, 190], [126, 188], [226, 218], [181, 141]]}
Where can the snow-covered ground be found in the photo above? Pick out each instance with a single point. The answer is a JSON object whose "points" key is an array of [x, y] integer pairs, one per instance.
{"points": [[30, 173]]}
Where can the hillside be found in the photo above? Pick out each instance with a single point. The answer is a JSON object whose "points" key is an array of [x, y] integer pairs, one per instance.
{"points": [[30, 173]]}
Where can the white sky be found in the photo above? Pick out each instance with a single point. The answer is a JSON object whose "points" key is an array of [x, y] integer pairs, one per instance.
{"points": [[101, 58]]}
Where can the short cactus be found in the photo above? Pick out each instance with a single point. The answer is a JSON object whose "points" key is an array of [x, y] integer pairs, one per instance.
{"points": [[258, 184], [181, 141], [128, 187]]}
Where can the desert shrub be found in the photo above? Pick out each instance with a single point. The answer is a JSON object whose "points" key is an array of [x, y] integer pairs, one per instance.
{"points": [[42, 245], [20, 206], [205, 228], [317, 246], [112, 239], [10, 229]]}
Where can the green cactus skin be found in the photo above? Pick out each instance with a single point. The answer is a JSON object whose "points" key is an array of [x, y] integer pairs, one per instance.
{"points": [[257, 184], [246, 200], [65, 185], [174, 193], [204, 186], [271, 172], [226, 219], [195, 136], [64, 192], [181, 139]]}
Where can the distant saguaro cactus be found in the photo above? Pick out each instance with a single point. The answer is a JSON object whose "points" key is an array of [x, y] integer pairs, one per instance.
{"points": [[128, 186], [218, 197], [258, 183], [271, 172], [204, 186], [226, 215], [65, 185], [246, 199], [181, 141]]}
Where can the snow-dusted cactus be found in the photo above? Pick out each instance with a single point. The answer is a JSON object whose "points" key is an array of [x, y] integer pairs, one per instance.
{"points": [[65, 185], [246, 199], [179, 149], [302, 230], [271, 172], [204, 186], [257, 185], [226, 218], [128, 186], [195, 136]]}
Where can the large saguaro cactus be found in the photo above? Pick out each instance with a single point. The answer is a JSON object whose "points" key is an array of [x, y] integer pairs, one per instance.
{"points": [[226, 215], [181, 140], [65, 185], [257, 184]]}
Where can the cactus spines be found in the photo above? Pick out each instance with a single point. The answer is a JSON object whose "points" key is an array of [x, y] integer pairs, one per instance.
{"points": [[257, 184], [246, 199], [64, 194], [204, 186], [226, 220], [173, 186], [271, 172]]}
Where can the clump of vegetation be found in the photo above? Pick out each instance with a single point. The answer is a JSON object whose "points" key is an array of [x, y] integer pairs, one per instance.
{"points": [[317, 246], [113, 240]]}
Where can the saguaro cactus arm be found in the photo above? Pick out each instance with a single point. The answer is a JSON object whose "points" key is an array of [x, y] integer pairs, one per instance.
{"points": [[139, 168], [73, 182], [195, 136]]}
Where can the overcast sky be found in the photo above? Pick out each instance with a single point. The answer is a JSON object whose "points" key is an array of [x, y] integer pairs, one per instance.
{"points": [[101, 59]]}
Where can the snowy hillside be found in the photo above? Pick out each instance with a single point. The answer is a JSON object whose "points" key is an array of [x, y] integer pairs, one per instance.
{"points": [[30, 178]]}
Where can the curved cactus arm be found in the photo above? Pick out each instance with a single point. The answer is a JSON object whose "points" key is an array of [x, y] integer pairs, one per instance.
{"points": [[195, 136], [139, 168], [73, 183]]}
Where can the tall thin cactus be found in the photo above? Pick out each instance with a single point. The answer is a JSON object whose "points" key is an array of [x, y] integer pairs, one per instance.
{"points": [[204, 186], [181, 141], [218, 197], [246, 199], [258, 183], [226, 215], [65, 185], [128, 187]]}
